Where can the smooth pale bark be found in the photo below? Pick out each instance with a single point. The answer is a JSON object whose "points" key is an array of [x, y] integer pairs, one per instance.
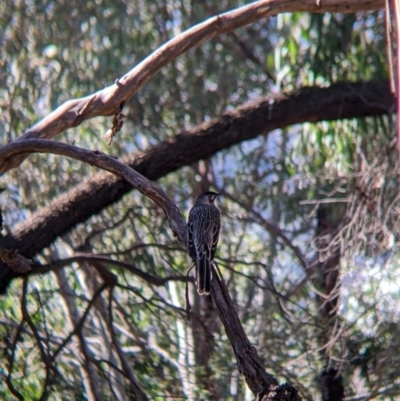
{"points": [[109, 101]]}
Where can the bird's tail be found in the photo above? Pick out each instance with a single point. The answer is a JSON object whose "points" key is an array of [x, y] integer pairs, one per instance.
{"points": [[203, 275]]}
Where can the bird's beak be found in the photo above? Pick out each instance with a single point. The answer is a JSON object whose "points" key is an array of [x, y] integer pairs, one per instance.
{"points": [[216, 196]]}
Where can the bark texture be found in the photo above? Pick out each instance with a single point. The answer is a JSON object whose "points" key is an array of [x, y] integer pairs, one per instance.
{"points": [[110, 100], [343, 100]]}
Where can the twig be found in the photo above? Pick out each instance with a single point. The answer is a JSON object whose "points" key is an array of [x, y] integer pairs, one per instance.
{"points": [[81, 321], [139, 393], [10, 385], [92, 258], [45, 357]]}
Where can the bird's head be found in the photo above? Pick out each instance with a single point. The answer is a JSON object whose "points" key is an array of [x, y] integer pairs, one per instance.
{"points": [[207, 198]]}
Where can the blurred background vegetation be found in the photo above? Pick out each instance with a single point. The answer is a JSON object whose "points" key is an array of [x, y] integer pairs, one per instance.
{"points": [[309, 240]]}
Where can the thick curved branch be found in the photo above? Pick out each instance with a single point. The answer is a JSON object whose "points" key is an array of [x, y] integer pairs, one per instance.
{"points": [[110, 100], [310, 104], [247, 122], [110, 164]]}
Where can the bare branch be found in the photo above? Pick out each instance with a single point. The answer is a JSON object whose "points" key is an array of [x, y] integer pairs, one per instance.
{"points": [[137, 390], [44, 355], [108, 101], [11, 360], [92, 258], [80, 323], [110, 164], [259, 381], [342, 100], [273, 229]]}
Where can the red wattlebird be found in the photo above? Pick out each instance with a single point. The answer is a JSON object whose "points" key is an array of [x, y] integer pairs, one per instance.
{"points": [[203, 234]]}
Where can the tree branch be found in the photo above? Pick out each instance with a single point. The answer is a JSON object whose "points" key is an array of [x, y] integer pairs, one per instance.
{"points": [[309, 104], [110, 164], [246, 355], [110, 100], [93, 258], [134, 384], [201, 142]]}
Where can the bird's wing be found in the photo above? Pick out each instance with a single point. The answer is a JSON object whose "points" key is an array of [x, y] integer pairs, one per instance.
{"points": [[191, 244], [205, 255], [215, 237]]}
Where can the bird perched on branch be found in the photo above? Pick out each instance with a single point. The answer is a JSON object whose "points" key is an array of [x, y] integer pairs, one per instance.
{"points": [[203, 234]]}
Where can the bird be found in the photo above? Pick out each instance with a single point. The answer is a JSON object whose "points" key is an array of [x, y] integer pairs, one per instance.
{"points": [[204, 224]]}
